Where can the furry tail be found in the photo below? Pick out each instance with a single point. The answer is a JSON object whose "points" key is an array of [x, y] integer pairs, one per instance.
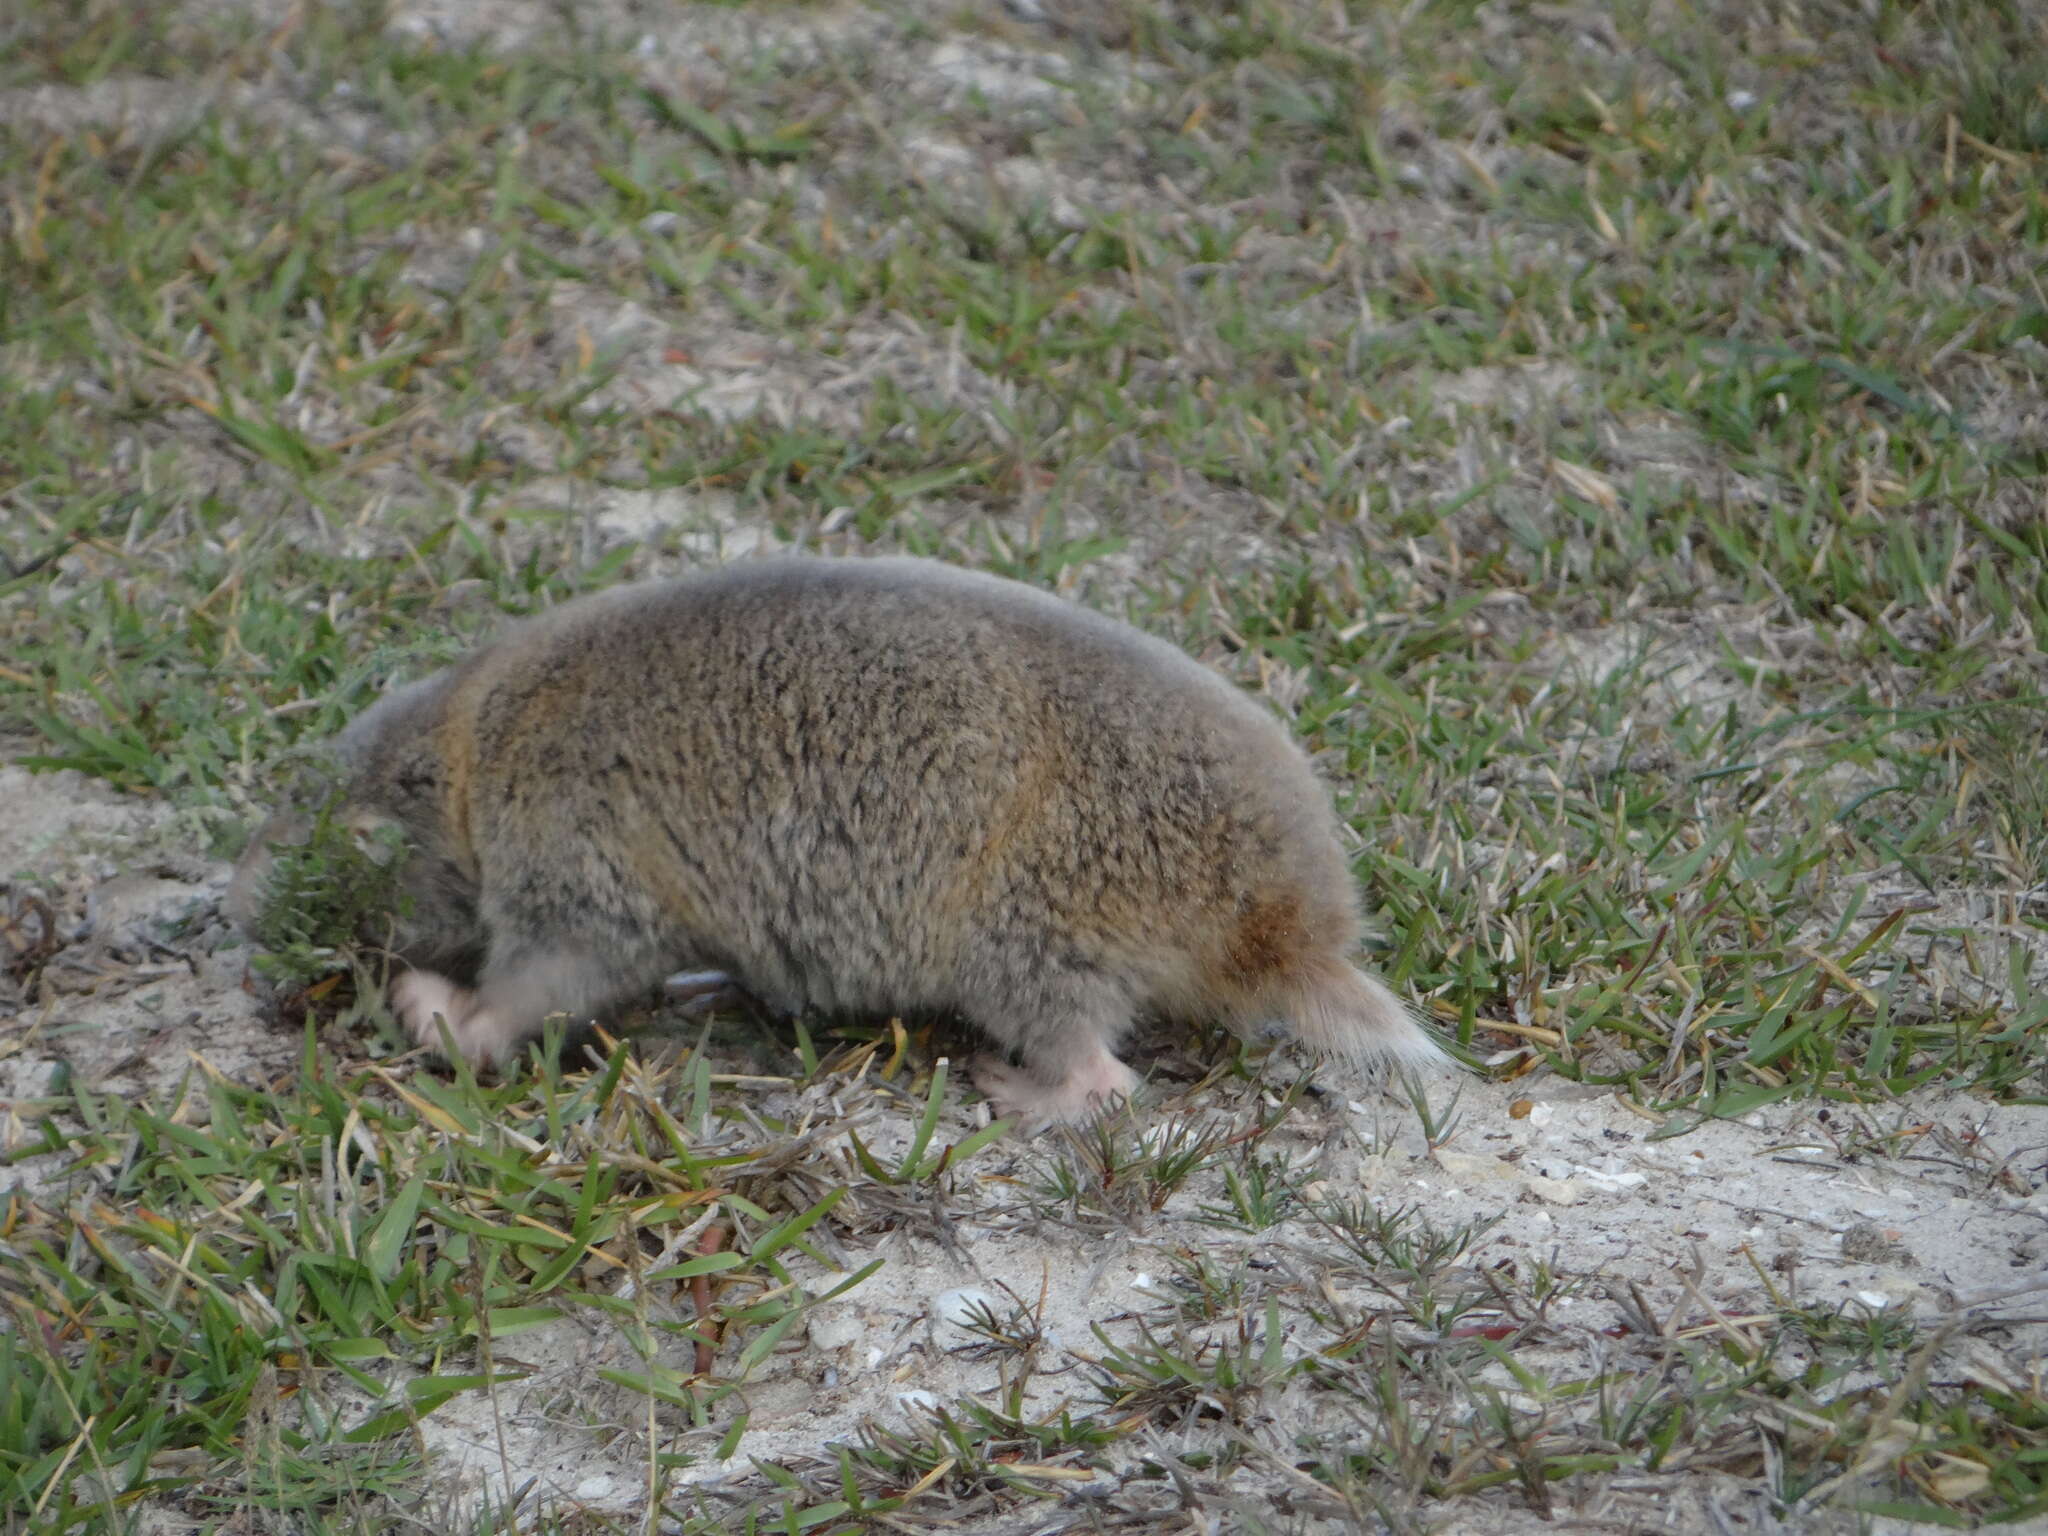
{"points": [[1345, 1014]]}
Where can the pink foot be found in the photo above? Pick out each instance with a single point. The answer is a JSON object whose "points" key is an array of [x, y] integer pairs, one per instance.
{"points": [[421, 999], [1091, 1089]]}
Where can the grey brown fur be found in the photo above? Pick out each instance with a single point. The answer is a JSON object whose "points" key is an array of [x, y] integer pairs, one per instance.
{"points": [[861, 786]]}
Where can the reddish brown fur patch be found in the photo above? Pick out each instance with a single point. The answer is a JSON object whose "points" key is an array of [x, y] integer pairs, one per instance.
{"points": [[1269, 941], [457, 749]]}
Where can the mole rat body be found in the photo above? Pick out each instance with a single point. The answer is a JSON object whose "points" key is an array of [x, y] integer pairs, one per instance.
{"points": [[861, 786]]}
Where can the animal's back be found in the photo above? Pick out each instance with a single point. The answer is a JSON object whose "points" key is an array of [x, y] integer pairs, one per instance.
{"points": [[833, 776]]}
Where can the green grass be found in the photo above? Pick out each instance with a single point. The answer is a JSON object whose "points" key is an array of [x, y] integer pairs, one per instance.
{"points": [[1408, 364], [305, 1247]]}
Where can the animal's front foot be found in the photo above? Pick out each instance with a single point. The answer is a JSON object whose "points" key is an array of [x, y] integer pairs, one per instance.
{"points": [[423, 1000]]}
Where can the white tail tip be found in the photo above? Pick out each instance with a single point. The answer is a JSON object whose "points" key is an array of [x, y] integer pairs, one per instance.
{"points": [[1352, 1017]]}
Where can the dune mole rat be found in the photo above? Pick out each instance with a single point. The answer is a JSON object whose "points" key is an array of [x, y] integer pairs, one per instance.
{"points": [[860, 786]]}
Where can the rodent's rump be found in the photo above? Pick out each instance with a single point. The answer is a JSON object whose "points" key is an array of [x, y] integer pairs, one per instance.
{"points": [[863, 786]]}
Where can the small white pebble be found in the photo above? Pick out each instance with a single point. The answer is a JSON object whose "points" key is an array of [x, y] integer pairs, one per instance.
{"points": [[1740, 100], [1610, 1182], [1877, 1301], [837, 1328], [916, 1400], [961, 1305]]}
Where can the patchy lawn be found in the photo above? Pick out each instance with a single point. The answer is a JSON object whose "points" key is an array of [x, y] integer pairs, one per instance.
{"points": [[1615, 436]]}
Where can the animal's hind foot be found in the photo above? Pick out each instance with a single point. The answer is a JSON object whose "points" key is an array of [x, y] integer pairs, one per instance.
{"points": [[1090, 1089]]}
